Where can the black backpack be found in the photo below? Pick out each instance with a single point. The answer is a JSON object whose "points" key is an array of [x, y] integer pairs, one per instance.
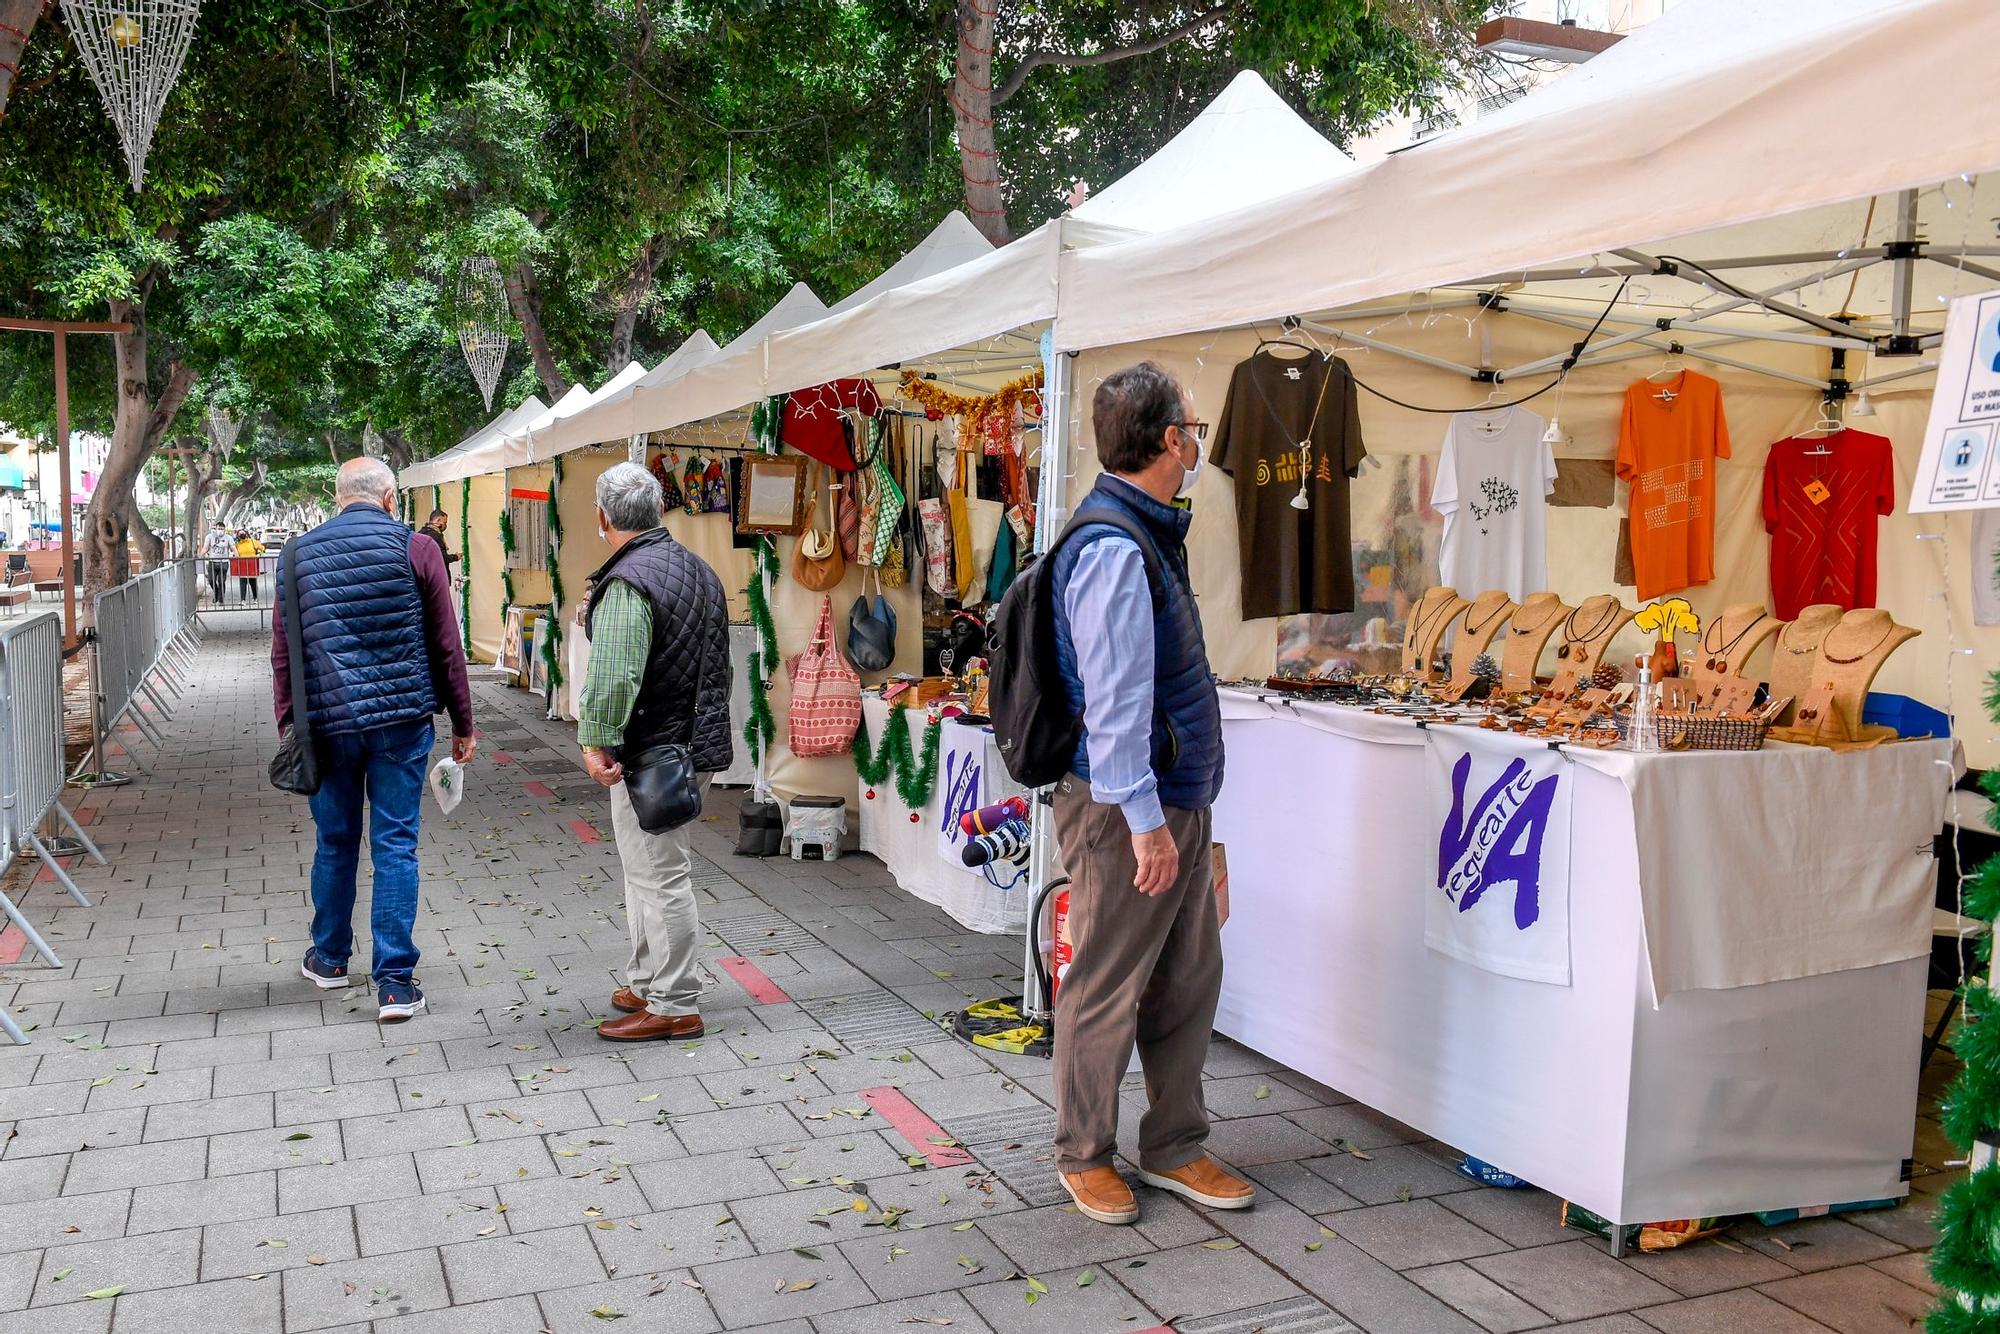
{"points": [[1029, 705]]}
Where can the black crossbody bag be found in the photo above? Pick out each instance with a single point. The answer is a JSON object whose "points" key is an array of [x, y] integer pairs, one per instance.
{"points": [[295, 768], [660, 780]]}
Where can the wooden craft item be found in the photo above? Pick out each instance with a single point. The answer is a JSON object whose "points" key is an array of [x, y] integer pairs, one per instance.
{"points": [[1455, 692], [1796, 649], [1815, 717], [1586, 632], [922, 694], [1482, 624], [1731, 695], [1558, 694], [1436, 612], [1528, 632]]}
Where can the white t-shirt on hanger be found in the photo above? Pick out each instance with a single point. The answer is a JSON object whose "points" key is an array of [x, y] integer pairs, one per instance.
{"points": [[1493, 482]]}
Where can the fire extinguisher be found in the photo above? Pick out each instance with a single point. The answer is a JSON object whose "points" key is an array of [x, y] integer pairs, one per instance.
{"points": [[1052, 964], [1064, 951]]}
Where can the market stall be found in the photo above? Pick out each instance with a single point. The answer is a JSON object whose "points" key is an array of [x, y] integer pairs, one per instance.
{"points": [[1744, 1000]]}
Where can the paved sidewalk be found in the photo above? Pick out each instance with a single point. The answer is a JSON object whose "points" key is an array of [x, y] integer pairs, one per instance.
{"points": [[199, 1140]]}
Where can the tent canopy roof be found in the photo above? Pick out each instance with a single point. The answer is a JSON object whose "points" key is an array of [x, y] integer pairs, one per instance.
{"points": [[1697, 126], [451, 465]]}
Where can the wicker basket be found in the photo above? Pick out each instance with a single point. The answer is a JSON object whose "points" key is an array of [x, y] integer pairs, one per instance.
{"points": [[1682, 733]]}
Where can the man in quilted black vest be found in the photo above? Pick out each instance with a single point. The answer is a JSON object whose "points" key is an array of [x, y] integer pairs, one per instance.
{"points": [[382, 654], [659, 675]]}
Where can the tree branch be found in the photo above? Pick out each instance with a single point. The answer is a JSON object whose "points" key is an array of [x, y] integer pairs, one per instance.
{"points": [[1034, 60], [525, 300], [17, 24]]}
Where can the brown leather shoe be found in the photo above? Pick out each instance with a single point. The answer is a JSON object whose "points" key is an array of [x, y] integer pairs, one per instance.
{"points": [[628, 1000], [1205, 1183], [1102, 1194], [645, 1026]]}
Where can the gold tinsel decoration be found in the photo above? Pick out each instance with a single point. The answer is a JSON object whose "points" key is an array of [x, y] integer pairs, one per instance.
{"points": [[972, 410]]}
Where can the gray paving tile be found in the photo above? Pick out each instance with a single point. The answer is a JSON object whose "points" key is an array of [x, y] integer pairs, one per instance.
{"points": [[567, 1201], [1572, 1281], [1407, 1236], [194, 1203], [32, 1178], [1741, 1312], [901, 1263], [1518, 1217], [1203, 1280], [662, 1302], [1037, 1239], [412, 1222], [359, 1291], [248, 1247], [494, 1317], [277, 1147], [706, 1179], [1399, 1172], [322, 1186], [1817, 1243], [404, 1132], [511, 1265], [498, 1163], [1857, 1299], [941, 1308], [1103, 1303], [1477, 1297], [76, 1318], [110, 1168], [208, 1116], [202, 1308], [753, 1291], [158, 1260], [1702, 1267], [737, 1128]]}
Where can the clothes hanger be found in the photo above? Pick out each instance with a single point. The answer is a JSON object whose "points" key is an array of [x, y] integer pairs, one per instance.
{"points": [[1292, 334], [1671, 365], [1829, 423]]}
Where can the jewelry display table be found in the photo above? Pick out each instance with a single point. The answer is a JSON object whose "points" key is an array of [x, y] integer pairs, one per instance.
{"points": [[1749, 938], [911, 850]]}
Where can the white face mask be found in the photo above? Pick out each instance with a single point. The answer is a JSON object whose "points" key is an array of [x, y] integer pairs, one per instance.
{"points": [[1188, 476]]}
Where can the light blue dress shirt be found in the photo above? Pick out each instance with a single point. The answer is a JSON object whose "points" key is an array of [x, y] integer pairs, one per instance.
{"points": [[1110, 610]]}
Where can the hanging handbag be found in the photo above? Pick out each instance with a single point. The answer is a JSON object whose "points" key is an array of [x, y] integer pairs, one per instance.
{"points": [[660, 780], [847, 515], [692, 499], [871, 631], [670, 487], [826, 694], [816, 562], [295, 768]]}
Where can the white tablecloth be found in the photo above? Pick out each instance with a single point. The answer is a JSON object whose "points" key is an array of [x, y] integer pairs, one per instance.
{"points": [[911, 851], [1715, 1101]]}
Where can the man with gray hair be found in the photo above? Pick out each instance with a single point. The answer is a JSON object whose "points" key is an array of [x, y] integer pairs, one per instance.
{"points": [[659, 676], [381, 656]]}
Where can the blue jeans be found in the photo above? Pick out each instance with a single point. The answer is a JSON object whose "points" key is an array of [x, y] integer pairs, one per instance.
{"points": [[386, 765]]}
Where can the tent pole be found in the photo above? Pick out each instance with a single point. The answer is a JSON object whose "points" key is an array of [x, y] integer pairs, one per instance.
{"points": [[1051, 511], [1664, 343], [1963, 265], [1696, 324], [1635, 270], [1890, 377], [1363, 340], [1904, 266]]}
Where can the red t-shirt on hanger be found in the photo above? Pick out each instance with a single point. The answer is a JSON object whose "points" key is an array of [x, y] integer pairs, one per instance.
{"points": [[1821, 512]]}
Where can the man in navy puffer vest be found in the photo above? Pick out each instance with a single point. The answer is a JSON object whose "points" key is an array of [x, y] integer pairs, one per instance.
{"points": [[382, 654], [1133, 817]]}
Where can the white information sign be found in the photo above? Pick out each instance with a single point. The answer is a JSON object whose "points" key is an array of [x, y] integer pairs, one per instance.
{"points": [[1960, 467]]}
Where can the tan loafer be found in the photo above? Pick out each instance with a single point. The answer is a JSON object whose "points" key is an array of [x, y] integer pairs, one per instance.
{"points": [[1102, 1194], [645, 1026], [1205, 1183], [627, 1000]]}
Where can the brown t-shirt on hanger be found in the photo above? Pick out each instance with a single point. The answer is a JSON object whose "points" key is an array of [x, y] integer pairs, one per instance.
{"points": [[1293, 560]]}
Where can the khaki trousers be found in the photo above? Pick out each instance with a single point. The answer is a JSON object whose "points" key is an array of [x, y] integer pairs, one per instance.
{"points": [[1147, 970], [660, 910]]}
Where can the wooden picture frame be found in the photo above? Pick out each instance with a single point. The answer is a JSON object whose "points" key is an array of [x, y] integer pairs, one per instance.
{"points": [[774, 495]]}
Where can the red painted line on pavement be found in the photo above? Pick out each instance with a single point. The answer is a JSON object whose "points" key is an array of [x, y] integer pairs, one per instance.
{"points": [[585, 831], [47, 877], [537, 789], [754, 980], [502, 757], [12, 945], [85, 814], [909, 1121]]}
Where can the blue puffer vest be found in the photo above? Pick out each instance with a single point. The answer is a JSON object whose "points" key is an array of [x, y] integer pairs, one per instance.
{"points": [[1187, 717], [367, 661]]}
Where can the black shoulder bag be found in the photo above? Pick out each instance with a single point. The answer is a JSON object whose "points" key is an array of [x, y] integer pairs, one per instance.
{"points": [[295, 768], [660, 780]]}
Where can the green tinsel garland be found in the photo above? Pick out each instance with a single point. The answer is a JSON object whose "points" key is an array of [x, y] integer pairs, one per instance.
{"points": [[760, 730], [914, 781], [1966, 1261], [506, 566], [552, 641], [465, 564]]}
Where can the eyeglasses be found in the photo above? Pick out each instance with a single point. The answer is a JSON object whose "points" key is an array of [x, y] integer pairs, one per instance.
{"points": [[1199, 430]]}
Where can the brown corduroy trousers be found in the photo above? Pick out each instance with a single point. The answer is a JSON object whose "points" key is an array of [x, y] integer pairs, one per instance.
{"points": [[1146, 970]]}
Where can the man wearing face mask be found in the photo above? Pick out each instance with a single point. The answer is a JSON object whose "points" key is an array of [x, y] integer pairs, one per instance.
{"points": [[1133, 817]]}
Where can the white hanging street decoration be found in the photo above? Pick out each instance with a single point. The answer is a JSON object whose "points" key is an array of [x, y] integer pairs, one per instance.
{"points": [[371, 440], [483, 322], [223, 426], [134, 50]]}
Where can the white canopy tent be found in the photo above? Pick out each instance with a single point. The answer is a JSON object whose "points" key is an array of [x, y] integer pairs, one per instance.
{"points": [[609, 417], [460, 461], [534, 443]]}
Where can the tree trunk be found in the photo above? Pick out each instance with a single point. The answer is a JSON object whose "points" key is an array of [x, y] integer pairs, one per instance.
{"points": [[138, 423], [525, 300], [204, 471], [972, 113], [151, 549], [632, 293], [396, 451], [17, 22], [241, 493]]}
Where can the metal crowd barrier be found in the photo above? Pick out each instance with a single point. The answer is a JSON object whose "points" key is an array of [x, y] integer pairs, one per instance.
{"points": [[216, 586], [31, 766], [141, 652]]}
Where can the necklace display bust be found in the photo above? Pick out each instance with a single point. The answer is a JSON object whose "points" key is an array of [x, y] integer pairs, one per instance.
{"points": [[1795, 651], [1436, 612], [1528, 632], [1588, 631], [1850, 654], [1484, 620], [1726, 643]]}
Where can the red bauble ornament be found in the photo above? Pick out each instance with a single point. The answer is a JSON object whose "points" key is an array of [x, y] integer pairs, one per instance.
{"points": [[870, 794], [914, 817]]}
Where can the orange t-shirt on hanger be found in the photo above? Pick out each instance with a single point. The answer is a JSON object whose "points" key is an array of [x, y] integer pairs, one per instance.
{"points": [[1669, 439]]}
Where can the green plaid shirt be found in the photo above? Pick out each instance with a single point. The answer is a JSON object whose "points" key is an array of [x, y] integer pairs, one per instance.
{"points": [[621, 637]]}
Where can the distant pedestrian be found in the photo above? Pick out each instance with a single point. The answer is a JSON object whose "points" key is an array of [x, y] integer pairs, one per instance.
{"points": [[434, 529], [659, 675], [217, 549], [249, 563], [1133, 817], [382, 655]]}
